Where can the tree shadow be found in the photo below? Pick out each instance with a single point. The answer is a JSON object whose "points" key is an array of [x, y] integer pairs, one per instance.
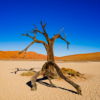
{"points": [[48, 85]]}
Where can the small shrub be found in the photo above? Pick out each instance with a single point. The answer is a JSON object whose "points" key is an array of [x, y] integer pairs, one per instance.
{"points": [[28, 73]]}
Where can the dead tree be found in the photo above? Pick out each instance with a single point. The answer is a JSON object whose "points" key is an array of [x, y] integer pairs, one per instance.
{"points": [[48, 46], [45, 71], [51, 67]]}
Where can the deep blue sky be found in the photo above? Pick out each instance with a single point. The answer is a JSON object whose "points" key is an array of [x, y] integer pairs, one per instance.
{"points": [[80, 19]]}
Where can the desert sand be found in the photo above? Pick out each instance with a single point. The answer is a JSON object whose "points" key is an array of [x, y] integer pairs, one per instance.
{"points": [[16, 87]]}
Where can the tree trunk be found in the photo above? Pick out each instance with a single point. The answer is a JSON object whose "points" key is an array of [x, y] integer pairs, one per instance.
{"points": [[50, 57]]}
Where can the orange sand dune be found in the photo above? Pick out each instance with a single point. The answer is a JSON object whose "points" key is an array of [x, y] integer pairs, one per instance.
{"points": [[15, 55], [35, 56], [81, 57]]}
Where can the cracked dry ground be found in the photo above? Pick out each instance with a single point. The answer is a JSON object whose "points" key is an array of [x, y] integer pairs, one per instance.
{"points": [[14, 87]]}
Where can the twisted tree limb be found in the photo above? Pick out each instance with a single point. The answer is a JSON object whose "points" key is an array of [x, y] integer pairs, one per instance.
{"points": [[49, 41], [26, 49], [45, 34], [35, 41], [33, 80], [59, 36], [46, 73], [44, 31]]}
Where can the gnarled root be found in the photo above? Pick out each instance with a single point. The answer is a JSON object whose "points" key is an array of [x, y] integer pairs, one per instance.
{"points": [[53, 85], [79, 90], [77, 87], [33, 80], [45, 72]]}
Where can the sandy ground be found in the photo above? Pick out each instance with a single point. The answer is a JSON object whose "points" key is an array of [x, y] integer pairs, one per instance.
{"points": [[16, 87]]}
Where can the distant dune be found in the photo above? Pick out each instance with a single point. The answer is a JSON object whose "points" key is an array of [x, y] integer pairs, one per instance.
{"points": [[81, 57], [35, 56], [15, 55]]}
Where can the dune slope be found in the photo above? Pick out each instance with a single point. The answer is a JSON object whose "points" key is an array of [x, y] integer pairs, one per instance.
{"points": [[15, 55], [35, 56], [81, 57]]}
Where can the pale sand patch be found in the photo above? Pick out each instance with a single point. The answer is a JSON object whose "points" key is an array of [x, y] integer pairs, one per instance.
{"points": [[14, 87]]}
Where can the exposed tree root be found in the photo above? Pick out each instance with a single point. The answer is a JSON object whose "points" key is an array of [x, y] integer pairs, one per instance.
{"points": [[45, 71]]}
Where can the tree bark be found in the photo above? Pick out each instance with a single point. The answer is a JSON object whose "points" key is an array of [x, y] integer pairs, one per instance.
{"points": [[50, 57]]}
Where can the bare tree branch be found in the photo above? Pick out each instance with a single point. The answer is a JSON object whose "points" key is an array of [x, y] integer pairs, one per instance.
{"points": [[60, 30], [65, 36], [35, 26], [35, 40], [45, 34], [45, 24], [26, 49], [59, 36], [28, 36], [43, 27], [36, 30], [65, 41], [56, 36], [40, 41]]}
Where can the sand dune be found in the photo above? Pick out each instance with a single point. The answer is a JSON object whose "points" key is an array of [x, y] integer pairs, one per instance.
{"points": [[36, 56], [81, 57], [15, 55]]}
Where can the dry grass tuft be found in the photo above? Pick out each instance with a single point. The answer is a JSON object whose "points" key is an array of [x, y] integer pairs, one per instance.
{"points": [[71, 72], [28, 73]]}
